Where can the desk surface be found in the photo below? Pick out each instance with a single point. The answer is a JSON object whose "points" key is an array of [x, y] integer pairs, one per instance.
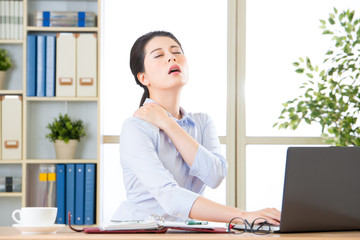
{"points": [[65, 234]]}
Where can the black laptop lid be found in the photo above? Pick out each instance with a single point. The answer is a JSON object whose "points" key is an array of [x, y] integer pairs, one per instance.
{"points": [[321, 189]]}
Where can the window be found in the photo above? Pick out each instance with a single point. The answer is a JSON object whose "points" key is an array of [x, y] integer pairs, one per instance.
{"points": [[278, 33], [204, 40]]}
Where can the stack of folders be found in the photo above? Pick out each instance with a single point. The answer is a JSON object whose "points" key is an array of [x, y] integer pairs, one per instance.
{"points": [[64, 19], [11, 19], [152, 226], [41, 65], [43, 185], [76, 193], [63, 65]]}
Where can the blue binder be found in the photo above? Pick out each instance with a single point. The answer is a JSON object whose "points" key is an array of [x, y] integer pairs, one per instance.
{"points": [[50, 66], [79, 194], [31, 66], [70, 191], [41, 66], [60, 193], [89, 202]]}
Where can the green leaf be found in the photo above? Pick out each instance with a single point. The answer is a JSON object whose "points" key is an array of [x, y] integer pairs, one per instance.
{"points": [[350, 15], [299, 70], [309, 75], [296, 64], [331, 21], [327, 32]]}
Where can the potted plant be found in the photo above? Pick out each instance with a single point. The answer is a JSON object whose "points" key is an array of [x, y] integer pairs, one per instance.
{"points": [[331, 93], [5, 64], [65, 134]]}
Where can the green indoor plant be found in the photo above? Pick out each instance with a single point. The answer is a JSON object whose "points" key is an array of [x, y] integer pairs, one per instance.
{"points": [[5, 64], [65, 134], [331, 92]]}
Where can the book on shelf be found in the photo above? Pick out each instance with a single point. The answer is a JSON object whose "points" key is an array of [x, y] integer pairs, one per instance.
{"points": [[60, 193], [7, 19], [51, 186], [50, 66], [2, 19], [79, 193], [20, 20], [41, 66], [64, 19], [37, 176], [11, 17], [31, 66], [70, 191], [76, 193], [89, 194]]}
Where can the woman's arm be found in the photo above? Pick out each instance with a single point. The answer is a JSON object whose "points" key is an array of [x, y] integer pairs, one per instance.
{"points": [[184, 143], [205, 209]]}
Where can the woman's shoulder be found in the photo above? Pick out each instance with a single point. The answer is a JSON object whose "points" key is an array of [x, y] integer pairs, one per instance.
{"points": [[200, 117], [133, 124]]}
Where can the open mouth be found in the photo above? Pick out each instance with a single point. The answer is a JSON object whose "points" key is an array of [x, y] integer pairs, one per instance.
{"points": [[174, 69]]}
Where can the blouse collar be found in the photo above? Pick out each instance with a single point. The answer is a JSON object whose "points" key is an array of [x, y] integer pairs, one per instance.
{"points": [[186, 118]]}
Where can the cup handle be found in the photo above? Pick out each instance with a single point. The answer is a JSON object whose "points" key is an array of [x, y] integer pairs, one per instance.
{"points": [[14, 217]]}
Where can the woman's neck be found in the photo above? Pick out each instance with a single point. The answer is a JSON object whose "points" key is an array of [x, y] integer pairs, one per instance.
{"points": [[168, 100]]}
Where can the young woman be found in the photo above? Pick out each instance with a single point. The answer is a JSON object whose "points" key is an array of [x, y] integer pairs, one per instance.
{"points": [[168, 155]]}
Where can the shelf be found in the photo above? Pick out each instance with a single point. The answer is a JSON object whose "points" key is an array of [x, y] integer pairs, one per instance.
{"points": [[54, 99], [62, 29], [55, 161], [10, 194], [11, 92], [11, 161], [11, 41]]}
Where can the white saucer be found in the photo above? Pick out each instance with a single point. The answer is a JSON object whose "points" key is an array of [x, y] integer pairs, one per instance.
{"points": [[28, 229]]}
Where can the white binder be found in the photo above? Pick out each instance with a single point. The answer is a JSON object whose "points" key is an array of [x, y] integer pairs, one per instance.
{"points": [[86, 55], [65, 65], [11, 127]]}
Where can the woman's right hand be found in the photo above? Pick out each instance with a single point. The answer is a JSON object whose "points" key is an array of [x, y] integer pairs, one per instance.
{"points": [[154, 114], [272, 215]]}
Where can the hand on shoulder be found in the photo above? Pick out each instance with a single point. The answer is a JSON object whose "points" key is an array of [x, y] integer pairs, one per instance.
{"points": [[154, 114]]}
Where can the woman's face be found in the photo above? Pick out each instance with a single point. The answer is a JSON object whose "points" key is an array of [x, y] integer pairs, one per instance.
{"points": [[165, 65]]}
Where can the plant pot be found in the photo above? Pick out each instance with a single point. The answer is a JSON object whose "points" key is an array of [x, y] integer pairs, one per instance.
{"points": [[2, 79], [65, 150]]}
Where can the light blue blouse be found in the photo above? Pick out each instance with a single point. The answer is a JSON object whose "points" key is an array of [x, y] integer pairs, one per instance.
{"points": [[157, 179]]}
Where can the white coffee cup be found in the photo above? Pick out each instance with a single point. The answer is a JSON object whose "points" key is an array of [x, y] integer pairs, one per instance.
{"points": [[35, 216]]}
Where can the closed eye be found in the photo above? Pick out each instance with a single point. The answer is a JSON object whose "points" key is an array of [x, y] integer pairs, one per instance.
{"points": [[157, 56]]}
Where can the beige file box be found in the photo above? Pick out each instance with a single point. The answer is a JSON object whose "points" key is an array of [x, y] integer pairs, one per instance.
{"points": [[86, 62], [11, 127], [65, 65]]}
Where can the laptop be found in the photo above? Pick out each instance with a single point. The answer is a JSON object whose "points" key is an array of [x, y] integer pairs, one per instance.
{"points": [[321, 190]]}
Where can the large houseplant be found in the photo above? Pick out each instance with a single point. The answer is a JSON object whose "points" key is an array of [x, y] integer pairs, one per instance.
{"points": [[5, 64], [331, 92], [65, 134]]}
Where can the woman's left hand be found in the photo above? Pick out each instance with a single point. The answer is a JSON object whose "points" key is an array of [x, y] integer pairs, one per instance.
{"points": [[154, 114]]}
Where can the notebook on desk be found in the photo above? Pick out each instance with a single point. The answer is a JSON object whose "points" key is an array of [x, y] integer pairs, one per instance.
{"points": [[321, 190]]}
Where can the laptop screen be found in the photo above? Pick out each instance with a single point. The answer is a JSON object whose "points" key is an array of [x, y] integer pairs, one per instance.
{"points": [[321, 189]]}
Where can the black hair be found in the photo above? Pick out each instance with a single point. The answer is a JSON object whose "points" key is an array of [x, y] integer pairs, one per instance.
{"points": [[137, 56]]}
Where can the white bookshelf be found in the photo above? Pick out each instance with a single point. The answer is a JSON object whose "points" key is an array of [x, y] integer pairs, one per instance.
{"points": [[39, 111]]}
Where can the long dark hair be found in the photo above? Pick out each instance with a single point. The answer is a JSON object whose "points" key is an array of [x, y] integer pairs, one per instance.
{"points": [[137, 56]]}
